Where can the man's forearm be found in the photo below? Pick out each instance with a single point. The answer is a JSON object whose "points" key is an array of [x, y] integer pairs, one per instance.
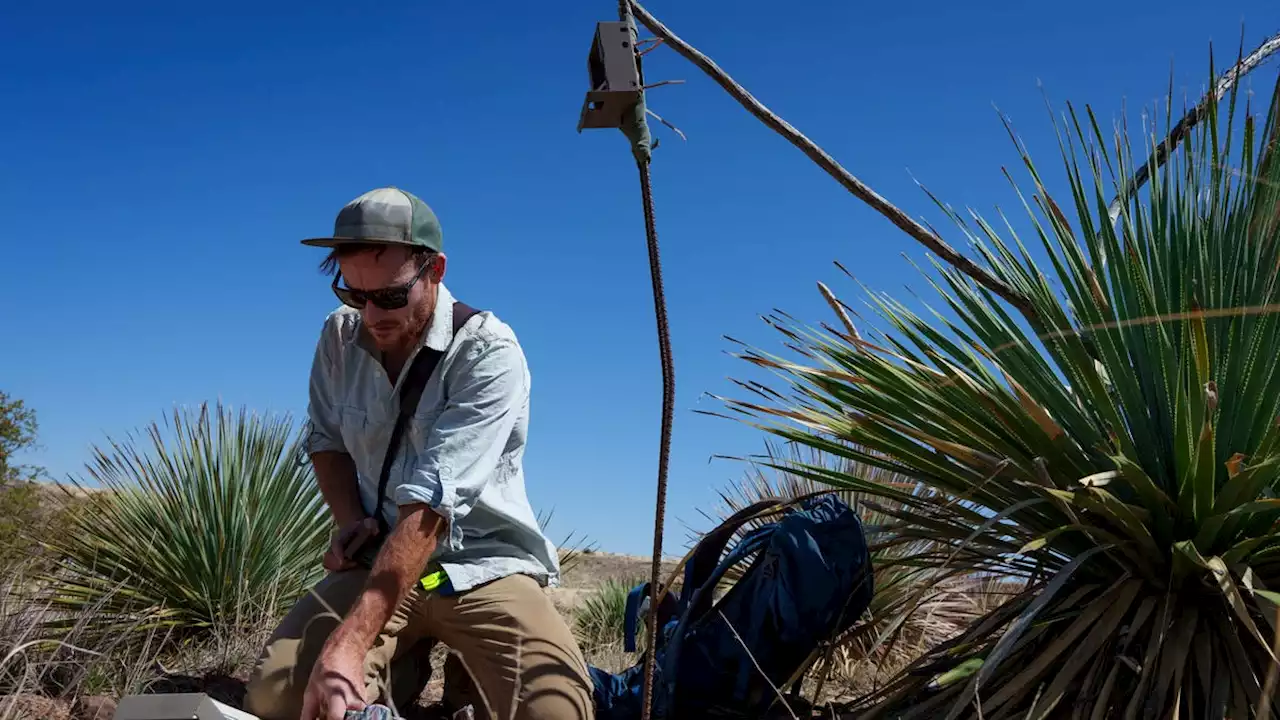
{"points": [[340, 486], [398, 566]]}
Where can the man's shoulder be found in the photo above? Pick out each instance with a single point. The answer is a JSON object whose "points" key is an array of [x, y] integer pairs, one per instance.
{"points": [[487, 335], [341, 325], [486, 327]]}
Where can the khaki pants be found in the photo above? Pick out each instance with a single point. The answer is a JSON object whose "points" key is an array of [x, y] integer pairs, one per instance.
{"points": [[508, 636]]}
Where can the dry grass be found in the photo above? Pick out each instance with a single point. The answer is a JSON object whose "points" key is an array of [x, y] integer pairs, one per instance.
{"points": [[860, 668], [80, 664], [598, 623], [75, 665], [593, 599], [49, 675], [45, 677]]}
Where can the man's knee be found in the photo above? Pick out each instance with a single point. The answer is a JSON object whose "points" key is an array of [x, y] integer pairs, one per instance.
{"points": [[546, 688], [274, 691], [562, 692], [519, 652], [280, 676]]}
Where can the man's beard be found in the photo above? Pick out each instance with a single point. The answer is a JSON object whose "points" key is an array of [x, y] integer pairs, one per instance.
{"points": [[411, 334]]}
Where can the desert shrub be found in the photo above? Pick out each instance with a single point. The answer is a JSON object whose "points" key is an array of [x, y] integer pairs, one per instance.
{"points": [[599, 620], [28, 511], [1109, 437], [73, 662], [212, 521], [19, 502], [18, 429]]}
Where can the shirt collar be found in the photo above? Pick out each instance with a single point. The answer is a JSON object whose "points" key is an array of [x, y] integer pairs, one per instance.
{"points": [[440, 332]]}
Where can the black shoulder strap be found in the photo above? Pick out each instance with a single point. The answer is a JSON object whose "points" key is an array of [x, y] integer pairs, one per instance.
{"points": [[410, 393], [706, 555]]}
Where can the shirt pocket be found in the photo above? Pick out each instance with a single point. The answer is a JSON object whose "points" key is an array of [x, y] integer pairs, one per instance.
{"points": [[353, 423]]}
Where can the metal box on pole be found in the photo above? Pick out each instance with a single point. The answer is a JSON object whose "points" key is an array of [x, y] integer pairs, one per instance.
{"points": [[614, 74]]}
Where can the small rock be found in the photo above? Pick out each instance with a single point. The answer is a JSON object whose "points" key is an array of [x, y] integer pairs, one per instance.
{"points": [[34, 707], [95, 707]]}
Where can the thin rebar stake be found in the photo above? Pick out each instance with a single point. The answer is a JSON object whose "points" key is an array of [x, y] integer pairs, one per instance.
{"points": [[640, 149], [668, 411]]}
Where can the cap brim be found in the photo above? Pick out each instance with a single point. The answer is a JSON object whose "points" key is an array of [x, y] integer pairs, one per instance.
{"points": [[332, 242]]}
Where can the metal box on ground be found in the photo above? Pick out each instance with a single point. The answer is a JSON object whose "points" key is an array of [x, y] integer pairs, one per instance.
{"points": [[178, 706]]}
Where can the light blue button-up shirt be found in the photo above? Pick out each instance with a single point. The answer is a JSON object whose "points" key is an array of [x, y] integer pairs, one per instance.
{"points": [[462, 452]]}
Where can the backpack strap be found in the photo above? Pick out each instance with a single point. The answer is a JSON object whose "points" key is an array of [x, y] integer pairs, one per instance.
{"points": [[706, 568], [702, 564], [410, 394], [752, 543]]}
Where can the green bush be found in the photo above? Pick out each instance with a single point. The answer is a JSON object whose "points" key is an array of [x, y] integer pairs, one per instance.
{"points": [[1111, 441], [217, 524], [28, 510], [600, 620], [17, 433], [18, 502]]}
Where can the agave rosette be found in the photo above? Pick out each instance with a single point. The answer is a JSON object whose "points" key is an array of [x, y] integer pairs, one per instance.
{"points": [[218, 523], [1113, 445]]}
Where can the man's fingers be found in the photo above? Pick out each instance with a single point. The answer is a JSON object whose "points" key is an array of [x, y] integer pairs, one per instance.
{"points": [[336, 710], [365, 530], [309, 709], [335, 565], [334, 554], [331, 561], [338, 697], [329, 701]]}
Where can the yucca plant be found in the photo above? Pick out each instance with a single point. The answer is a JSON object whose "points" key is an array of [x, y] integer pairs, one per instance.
{"points": [[1116, 447], [600, 619], [217, 522], [915, 606]]}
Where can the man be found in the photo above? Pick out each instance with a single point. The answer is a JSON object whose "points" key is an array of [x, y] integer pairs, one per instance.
{"points": [[454, 552]]}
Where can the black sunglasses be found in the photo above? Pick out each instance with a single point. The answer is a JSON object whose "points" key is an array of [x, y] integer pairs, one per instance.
{"points": [[387, 298]]}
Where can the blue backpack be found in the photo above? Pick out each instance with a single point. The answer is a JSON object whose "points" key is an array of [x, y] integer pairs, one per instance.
{"points": [[808, 579]]}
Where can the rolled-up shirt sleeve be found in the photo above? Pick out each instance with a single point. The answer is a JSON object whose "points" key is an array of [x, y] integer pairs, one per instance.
{"points": [[323, 431], [487, 392]]}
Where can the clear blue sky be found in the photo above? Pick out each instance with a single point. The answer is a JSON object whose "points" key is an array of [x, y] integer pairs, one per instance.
{"points": [[160, 161]]}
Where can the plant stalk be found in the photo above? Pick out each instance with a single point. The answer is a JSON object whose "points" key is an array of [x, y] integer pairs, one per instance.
{"points": [[855, 186], [1188, 121]]}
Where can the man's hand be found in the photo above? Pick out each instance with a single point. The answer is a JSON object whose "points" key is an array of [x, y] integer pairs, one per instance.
{"points": [[347, 542], [336, 684], [337, 680]]}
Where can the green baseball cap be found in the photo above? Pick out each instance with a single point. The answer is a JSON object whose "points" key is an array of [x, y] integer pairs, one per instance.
{"points": [[385, 215]]}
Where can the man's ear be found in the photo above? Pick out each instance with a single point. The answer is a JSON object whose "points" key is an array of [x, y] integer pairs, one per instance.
{"points": [[436, 273]]}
